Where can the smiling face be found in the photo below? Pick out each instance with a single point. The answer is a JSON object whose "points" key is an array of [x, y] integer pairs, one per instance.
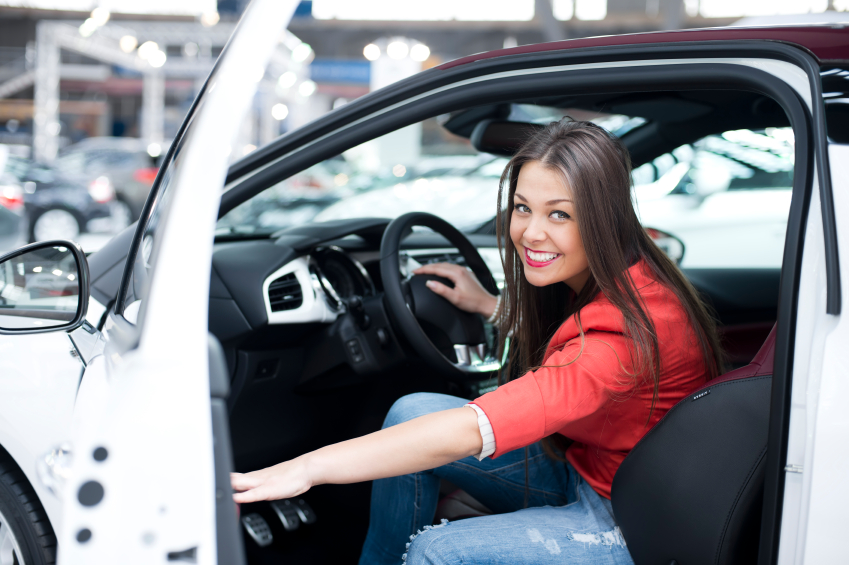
{"points": [[544, 229]]}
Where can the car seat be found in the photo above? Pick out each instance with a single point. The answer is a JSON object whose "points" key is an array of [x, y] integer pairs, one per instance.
{"points": [[691, 491]]}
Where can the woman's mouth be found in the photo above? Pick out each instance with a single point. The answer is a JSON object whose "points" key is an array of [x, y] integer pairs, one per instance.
{"points": [[540, 258]]}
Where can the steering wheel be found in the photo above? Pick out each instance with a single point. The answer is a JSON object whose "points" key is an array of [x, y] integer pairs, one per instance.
{"points": [[411, 305]]}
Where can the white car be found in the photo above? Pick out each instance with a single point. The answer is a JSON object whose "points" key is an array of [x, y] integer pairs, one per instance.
{"points": [[174, 355]]}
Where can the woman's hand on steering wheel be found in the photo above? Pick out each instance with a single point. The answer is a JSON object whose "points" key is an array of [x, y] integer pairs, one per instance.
{"points": [[468, 294]]}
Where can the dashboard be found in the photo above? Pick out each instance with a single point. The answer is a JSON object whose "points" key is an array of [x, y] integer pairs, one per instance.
{"points": [[306, 274]]}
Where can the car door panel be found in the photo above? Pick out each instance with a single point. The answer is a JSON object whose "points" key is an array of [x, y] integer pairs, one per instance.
{"points": [[148, 401], [39, 377]]}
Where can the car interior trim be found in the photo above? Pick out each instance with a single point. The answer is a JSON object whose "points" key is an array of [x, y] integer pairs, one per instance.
{"points": [[315, 306]]}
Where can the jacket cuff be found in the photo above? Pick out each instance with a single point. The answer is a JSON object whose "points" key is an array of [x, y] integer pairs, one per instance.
{"points": [[486, 433]]}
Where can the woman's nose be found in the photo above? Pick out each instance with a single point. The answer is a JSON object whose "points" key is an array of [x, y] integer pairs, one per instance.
{"points": [[535, 231]]}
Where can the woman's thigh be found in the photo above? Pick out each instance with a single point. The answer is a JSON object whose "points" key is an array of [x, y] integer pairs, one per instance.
{"points": [[583, 532], [500, 484], [497, 483]]}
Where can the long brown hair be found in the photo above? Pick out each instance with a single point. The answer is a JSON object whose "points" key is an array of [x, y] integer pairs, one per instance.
{"points": [[596, 166]]}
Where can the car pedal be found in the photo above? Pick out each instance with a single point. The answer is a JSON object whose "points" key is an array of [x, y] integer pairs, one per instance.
{"points": [[305, 513], [288, 514], [258, 529]]}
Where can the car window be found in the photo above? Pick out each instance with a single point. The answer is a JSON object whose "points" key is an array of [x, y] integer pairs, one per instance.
{"points": [[420, 167], [41, 174], [137, 282], [726, 196], [423, 167], [141, 260], [16, 168]]}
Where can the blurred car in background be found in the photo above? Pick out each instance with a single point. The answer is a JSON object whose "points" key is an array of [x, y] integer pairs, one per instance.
{"points": [[52, 204], [464, 195], [129, 164], [720, 191], [10, 225]]}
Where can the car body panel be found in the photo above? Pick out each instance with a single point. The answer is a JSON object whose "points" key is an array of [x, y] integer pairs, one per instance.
{"points": [[39, 379], [825, 42], [817, 459]]}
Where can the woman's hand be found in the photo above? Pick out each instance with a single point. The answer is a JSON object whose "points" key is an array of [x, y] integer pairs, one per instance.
{"points": [[284, 480], [423, 443], [467, 294]]}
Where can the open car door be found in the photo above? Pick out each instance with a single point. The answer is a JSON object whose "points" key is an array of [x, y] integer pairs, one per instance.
{"points": [[150, 477]]}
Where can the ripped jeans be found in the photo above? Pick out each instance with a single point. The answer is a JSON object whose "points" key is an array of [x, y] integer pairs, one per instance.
{"points": [[566, 520]]}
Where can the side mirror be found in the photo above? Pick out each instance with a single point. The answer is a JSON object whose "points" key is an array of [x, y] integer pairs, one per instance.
{"points": [[44, 287]]}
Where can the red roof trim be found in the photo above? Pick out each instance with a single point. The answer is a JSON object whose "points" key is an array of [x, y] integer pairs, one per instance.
{"points": [[825, 42]]}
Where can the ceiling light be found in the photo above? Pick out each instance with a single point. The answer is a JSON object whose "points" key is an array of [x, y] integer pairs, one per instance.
{"points": [[157, 59], [147, 49], [301, 53], [88, 27], [307, 88], [100, 15], [371, 52], [191, 49], [397, 49], [128, 43], [419, 52], [287, 80], [279, 111], [209, 19]]}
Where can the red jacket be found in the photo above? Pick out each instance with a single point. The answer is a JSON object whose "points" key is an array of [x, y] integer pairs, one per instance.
{"points": [[592, 400]]}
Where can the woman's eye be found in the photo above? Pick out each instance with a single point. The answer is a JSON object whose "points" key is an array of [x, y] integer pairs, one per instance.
{"points": [[521, 208], [560, 215]]}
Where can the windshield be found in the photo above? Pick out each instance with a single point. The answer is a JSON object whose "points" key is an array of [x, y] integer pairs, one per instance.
{"points": [[423, 167]]}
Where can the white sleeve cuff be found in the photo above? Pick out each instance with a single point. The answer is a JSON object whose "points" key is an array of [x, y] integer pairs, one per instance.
{"points": [[487, 435]]}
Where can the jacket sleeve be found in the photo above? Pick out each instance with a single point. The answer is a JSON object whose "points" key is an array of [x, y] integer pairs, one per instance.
{"points": [[563, 395]]}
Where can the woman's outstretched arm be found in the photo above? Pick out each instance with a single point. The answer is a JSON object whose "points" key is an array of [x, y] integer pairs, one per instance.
{"points": [[416, 445]]}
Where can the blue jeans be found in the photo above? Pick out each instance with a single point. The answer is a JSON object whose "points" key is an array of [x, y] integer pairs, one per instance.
{"points": [[566, 520]]}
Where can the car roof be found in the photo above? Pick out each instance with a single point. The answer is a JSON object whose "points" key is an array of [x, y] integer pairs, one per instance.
{"points": [[826, 42]]}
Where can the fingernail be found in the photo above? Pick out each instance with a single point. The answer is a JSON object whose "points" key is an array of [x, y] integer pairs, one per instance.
{"points": [[429, 284]]}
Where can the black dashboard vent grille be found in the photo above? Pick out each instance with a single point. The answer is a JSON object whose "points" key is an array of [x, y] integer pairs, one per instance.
{"points": [[285, 293]]}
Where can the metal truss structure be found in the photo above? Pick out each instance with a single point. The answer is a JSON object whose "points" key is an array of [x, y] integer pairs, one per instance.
{"points": [[104, 45]]}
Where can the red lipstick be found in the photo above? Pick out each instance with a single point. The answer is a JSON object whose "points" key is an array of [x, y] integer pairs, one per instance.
{"points": [[538, 264]]}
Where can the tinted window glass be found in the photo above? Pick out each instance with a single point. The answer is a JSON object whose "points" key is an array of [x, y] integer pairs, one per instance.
{"points": [[727, 197]]}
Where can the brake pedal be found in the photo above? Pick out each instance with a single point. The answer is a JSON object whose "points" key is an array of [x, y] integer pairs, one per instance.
{"points": [[305, 513], [288, 514], [258, 529]]}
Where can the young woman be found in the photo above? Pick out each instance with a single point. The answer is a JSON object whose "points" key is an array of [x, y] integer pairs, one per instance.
{"points": [[607, 335]]}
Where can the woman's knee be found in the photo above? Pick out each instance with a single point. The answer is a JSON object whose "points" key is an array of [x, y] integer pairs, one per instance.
{"points": [[418, 404], [434, 546]]}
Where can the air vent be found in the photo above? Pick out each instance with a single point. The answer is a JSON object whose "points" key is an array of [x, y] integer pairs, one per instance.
{"points": [[285, 293]]}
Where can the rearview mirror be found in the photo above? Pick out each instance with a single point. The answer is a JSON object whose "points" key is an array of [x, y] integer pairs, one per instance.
{"points": [[43, 287]]}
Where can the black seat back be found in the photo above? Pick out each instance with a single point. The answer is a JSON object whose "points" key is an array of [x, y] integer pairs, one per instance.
{"points": [[690, 492]]}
